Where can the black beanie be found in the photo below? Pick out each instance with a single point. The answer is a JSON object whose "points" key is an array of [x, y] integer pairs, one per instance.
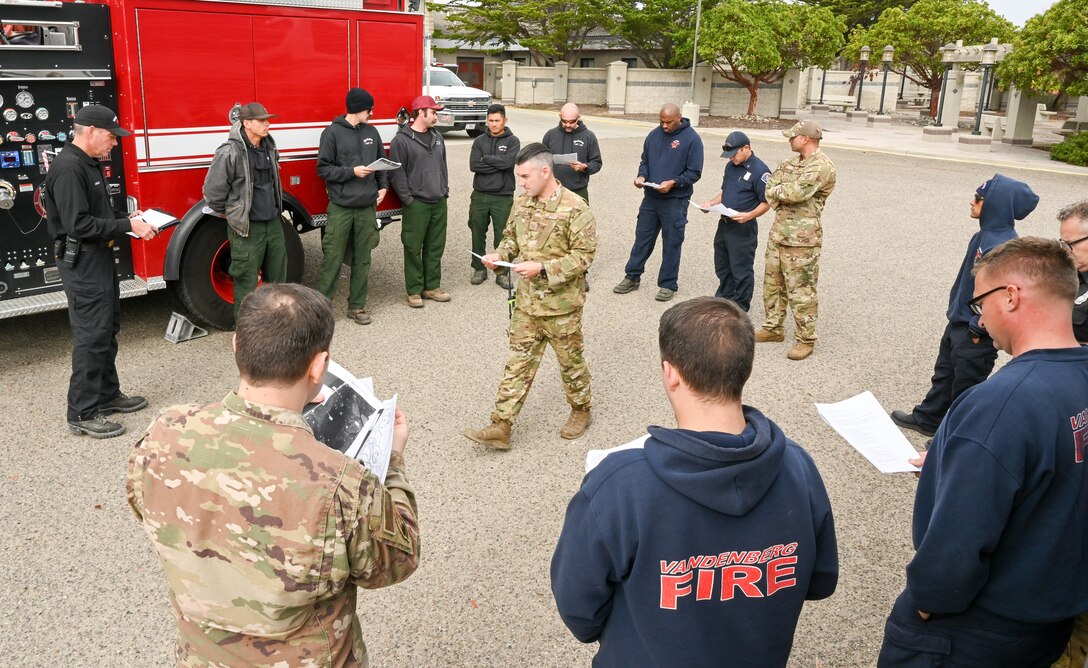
{"points": [[359, 100]]}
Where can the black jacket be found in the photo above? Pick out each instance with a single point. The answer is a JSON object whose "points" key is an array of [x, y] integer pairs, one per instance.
{"points": [[581, 141], [492, 162], [344, 147], [423, 173], [1080, 309], [77, 201]]}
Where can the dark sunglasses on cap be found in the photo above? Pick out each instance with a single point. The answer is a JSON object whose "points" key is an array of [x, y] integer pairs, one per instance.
{"points": [[978, 198]]}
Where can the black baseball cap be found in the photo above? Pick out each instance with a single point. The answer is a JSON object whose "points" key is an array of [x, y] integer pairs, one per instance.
{"points": [[100, 117], [254, 111], [733, 143]]}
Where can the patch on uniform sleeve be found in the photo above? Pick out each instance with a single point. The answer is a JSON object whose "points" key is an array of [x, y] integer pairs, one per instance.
{"points": [[766, 177]]}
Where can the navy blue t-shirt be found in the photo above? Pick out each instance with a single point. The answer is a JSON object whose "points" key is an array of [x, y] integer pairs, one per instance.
{"points": [[744, 186]]}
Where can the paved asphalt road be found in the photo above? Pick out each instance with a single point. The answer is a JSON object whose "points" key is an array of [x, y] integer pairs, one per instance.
{"points": [[80, 585]]}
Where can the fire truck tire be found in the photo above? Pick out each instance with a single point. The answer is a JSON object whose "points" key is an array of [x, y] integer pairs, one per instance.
{"points": [[204, 287], [475, 132]]}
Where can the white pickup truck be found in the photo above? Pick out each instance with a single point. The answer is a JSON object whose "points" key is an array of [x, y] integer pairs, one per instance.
{"points": [[465, 107]]}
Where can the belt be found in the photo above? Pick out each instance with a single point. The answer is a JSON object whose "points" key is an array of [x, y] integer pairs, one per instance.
{"points": [[97, 243]]}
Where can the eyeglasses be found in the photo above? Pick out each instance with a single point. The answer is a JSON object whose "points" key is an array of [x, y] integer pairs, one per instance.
{"points": [[1068, 245], [978, 198], [566, 122], [976, 304]]}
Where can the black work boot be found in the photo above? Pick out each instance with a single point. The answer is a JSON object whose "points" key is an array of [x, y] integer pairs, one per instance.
{"points": [[122, 403], [96, 427]]}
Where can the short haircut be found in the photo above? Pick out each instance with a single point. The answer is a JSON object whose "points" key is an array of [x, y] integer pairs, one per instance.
{"points": [[496, 109], [711, 343], [280, 327], [1044, 263], [1075, 210], [536, 153]]}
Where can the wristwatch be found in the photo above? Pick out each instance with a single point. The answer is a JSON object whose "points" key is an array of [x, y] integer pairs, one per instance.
{"points": [[543, 271]]}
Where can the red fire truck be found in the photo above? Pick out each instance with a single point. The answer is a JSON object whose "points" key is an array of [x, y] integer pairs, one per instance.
{"points": [[174, 70]]}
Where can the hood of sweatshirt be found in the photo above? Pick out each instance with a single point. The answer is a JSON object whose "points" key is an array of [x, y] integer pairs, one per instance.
{"points": [[684, 125], [1006, 201], [725, 472]]}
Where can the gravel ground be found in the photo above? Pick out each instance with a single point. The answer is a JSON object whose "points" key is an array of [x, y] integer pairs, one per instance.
{"points": [[81, 586]]}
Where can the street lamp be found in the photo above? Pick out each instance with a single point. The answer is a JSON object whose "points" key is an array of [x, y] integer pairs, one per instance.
{"points": [[864, 58], [989, 57], [823, 83], [947, 53], [889, 55], [695, 48]]}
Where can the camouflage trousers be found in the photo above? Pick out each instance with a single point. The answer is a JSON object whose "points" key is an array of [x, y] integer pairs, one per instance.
{"points": [[1076, 654], [528, 338], [789, 278]]}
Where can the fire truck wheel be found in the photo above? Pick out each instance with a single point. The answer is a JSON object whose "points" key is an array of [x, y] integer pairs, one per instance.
{"points": [[476, 132], [205, 288]]}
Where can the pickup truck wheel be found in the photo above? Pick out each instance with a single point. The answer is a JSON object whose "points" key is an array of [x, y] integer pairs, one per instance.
{"points": [[475, 132], [205, 288]]}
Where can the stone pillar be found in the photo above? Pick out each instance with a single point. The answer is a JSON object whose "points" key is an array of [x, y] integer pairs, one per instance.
{"points": [[953, 97], [1082, 109], [791, 88], [704, 80], [560, 77], [690, 111], [509, 81], [616, 89], [1020, 118]]}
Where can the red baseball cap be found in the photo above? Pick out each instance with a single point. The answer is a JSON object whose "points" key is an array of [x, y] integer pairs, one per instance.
{"points": [[426, 102]]}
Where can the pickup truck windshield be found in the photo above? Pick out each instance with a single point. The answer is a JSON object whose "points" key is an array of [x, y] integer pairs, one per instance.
{"points": [[439, 76]]}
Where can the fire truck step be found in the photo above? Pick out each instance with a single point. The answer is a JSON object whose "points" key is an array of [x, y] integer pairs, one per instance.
{"points": [[181, 329]]}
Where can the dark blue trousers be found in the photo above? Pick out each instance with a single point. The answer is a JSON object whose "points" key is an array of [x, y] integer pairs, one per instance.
{"points": [[668, 216], [734, 253], [961, 364]]}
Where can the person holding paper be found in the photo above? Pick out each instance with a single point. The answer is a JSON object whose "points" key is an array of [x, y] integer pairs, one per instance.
{"points": [[491, 162], [355, 190], [1002, 504], [737, 237], [672, 160], [572, 136], [555, 234], [699, 548], [265, 534], [84, 224]]}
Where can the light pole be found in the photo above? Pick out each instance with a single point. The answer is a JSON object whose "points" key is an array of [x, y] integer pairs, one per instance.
{"points": [[989, 57], [695, 48], [947, 51], [823, 84], [864, 58], [889, 55]]}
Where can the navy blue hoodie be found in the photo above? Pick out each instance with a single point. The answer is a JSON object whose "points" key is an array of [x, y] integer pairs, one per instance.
{"points": [[1006, 201], [672, 156], [697, 550], [1002, 506]]}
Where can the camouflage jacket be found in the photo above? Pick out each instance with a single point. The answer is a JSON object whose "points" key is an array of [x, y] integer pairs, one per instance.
{"points": [[560, 233], [797, 192], [264, 534]]}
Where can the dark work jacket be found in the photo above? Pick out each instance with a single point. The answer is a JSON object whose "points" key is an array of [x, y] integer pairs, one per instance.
{"points": [[492, 162], [1080, 309], [423, 173], [698, 549], [672, 156], [344, 147], [580, 141], [77, 201]]}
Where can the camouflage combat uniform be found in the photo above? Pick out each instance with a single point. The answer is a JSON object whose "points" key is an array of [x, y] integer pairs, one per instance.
{"points": [[264, 534], [561, 233], [797, 192]]}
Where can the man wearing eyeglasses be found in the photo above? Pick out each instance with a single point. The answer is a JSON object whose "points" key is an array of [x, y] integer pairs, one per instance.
{"points": [[1002, 502], [967, 355], [1074, 236]]}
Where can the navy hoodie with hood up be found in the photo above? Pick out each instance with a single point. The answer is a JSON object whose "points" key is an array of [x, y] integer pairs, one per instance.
{"points": [[1006, 201], [697, 550], [672, 156]]}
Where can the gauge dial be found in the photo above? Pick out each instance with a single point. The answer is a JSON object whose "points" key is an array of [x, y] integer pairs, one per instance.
{"points": [[41, 113], [10, 115], [24, 99], [1, 100]]}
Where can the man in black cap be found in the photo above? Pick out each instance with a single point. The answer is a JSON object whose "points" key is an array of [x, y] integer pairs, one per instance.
{"points": [[735, 241], [82, 220], [355, 190], [243, 186]]}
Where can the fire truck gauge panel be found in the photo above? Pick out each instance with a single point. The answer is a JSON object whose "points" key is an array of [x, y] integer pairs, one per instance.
{"points": [[24, 99]]}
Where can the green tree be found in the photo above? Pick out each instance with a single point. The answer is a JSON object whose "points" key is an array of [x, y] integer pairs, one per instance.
{"points": [[553, 29], [658, 31], [1050, 54], [919, 33], [755, 42], [862, 13]]}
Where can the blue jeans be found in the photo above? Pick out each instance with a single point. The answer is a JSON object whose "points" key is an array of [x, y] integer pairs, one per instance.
{"points": [[669, 217]]}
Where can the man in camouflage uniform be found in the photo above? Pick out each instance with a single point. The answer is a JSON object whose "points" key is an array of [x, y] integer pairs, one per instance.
{"points": [[555, 234], [796, 191], [265, 533]]}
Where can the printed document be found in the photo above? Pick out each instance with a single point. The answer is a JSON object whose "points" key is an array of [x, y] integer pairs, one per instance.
{"points": [[383, 165], [719, 209], [565, 158], [595, 457], [497, 263], [156, 219], [863, 422]]}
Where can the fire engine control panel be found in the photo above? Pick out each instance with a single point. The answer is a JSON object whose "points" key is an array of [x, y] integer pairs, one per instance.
{"points": [[64, 64]]}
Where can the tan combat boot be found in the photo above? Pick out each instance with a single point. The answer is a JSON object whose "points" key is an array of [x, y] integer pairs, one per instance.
{"points": [[495, 435], [799, 351], [576, 424], [767, 336]]}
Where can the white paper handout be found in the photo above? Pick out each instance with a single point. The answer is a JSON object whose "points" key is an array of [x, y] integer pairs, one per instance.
{"points": [[719, 209], [564, 158], [156, 219], [651, 184], [595, 457], [383, 165], [497, 263], [862, 421]]}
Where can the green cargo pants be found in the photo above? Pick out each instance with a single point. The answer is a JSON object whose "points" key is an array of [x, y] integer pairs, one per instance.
{"points": [[485, 208], [423, 233], [263, 250], [359, 226]]}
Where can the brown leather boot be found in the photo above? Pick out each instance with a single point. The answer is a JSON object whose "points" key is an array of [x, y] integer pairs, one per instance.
{"points": [[577, 423], [799, 351], [495, 435], [767, 336]]}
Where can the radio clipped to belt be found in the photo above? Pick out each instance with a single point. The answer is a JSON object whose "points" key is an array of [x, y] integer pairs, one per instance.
{"points": [[66, 250]]}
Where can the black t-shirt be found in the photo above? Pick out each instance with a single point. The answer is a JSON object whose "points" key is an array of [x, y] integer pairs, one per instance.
{"points": [[264, 191]]}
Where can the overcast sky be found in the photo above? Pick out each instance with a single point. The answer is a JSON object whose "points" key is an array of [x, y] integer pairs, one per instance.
{"points": [[1019, 11]]}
